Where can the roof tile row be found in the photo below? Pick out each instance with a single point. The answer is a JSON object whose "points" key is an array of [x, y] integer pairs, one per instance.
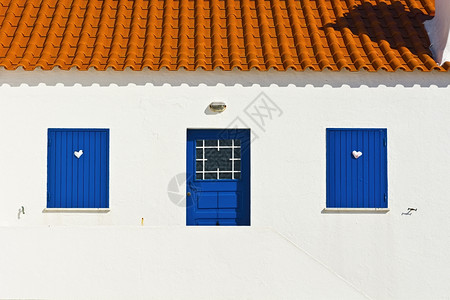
{"points": [[209, 34]]}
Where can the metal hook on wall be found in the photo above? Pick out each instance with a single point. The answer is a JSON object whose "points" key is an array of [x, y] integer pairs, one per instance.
{"points": [[21, 211], [409, 211]]}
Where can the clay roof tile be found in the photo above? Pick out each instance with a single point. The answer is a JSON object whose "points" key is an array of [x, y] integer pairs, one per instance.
{"points": [[244, 34]]}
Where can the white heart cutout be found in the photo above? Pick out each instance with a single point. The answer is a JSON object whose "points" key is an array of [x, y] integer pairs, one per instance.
{"points": [[78, 153], [356, 154]]}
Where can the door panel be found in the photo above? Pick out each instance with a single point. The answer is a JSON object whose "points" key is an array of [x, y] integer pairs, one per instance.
{"points": [[207, 200], [218, 177], [228, 200], [216, 222]]}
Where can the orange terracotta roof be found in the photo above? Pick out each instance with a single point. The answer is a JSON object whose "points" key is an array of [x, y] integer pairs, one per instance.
{"points": [[209, 34]]}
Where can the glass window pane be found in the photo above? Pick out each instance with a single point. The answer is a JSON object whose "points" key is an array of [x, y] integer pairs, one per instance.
{"points": [[225, 142], [211, 176], [216, 159], [237, 165], [198, 153], [225, 175], [237, 152], [210, 143]]}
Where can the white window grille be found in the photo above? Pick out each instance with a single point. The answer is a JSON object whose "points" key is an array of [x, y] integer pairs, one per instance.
{"points": [[218, 159]]}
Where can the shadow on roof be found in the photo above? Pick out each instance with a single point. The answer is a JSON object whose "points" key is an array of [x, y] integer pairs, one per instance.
{"points": [[392, 28]]}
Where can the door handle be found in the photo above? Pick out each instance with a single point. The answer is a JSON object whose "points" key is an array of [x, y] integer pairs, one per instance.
{"points": [[188, 193]]}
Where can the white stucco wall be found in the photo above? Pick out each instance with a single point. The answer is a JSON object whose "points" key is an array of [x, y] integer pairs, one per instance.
{"points": [[291, 251]]}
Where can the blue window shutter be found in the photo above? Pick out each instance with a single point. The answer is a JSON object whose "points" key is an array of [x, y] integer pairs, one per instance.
{"points": [[357, 182], [78, 182]]}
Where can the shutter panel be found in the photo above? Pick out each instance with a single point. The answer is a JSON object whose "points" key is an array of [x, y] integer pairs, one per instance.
{"points": [[357, 182], [78, 182]]}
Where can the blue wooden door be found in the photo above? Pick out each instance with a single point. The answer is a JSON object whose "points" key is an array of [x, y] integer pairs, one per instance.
{"points": [[218, 177], [357, 168], [78, 168]]}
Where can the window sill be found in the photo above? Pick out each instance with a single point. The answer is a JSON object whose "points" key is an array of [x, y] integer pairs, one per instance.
{"points": [[355, 210], [76, 210]]}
